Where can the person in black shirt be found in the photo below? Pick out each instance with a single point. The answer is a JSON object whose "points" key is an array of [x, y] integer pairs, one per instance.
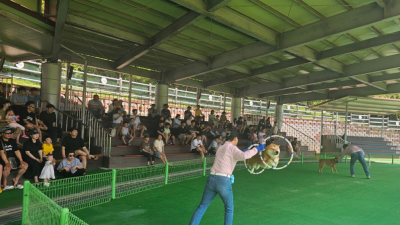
{"points": [[165, 111], [75, 144], [181, 132], [9, 151], [49, 119], [160, 129], [33, 156], [29, 121], [188, 113]]}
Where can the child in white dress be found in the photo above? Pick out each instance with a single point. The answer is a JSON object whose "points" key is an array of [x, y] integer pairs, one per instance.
{"points": [[48, 170]]}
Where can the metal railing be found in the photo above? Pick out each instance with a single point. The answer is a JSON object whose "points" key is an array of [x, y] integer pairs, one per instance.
{"points": [[100, 135], [312, 143]]}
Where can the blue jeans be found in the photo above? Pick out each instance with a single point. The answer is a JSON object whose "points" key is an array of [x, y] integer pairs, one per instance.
{"points": [[360, 157], [215, 185]]}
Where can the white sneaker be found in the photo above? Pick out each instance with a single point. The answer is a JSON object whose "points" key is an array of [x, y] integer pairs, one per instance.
{"points": [[8, 187], [368, 177], [19, 186], [352, 176], [46, 184]]}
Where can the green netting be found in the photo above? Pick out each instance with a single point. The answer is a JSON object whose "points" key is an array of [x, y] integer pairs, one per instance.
{"points": [[79, 192], [134, 180], [183, 170], [74, 220], [40, 209]]}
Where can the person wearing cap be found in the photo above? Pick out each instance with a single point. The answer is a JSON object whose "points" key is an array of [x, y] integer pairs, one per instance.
{"points": [[356, 153], [9, 151], [96, 107], [219, 180], [33, 156], [49, 119]]}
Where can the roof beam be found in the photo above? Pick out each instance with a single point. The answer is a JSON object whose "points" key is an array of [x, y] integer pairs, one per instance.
{"points": [[259, 71], [295, 39], [60, 22], [366, 91], [162, 36], [2, 61], [362, 68], [381, 3], [316, 87], [109, 65], [220, 61], [339, 24], [214, 5], [370, 43], [365, 80], [232, 19]]}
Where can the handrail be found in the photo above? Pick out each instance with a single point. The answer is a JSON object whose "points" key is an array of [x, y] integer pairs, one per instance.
{"points": [[301, 132], [313, 144], [102, 136]]}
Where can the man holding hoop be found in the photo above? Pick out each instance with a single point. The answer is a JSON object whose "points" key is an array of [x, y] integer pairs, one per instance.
{"points": [[219, 180]]}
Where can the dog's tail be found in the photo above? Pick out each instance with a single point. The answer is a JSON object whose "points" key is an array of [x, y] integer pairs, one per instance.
{"points": [[316, 156]]}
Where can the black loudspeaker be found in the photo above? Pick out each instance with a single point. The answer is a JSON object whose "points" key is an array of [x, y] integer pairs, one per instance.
{"points": [[70, 72]]}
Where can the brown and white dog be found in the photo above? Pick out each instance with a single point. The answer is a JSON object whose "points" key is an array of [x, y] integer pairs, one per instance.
{"points": [[270, 155], [330, 162]]}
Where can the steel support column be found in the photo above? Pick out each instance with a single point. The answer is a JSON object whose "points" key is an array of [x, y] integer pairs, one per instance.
{"points": [[345, 122]]}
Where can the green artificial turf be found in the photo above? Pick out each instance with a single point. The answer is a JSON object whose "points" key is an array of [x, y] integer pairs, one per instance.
{"points": [[295, 195]]}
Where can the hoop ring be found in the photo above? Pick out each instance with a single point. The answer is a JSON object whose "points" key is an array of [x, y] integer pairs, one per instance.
{"points": [[255, 173], [291, 155]]}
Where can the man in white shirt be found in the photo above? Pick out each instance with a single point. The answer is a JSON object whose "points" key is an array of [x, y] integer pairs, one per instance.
{"points": [[198, 147]]}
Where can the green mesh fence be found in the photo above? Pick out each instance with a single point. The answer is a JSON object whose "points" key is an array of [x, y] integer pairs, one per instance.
{"points": [[133, 180], [74, 220], [40, 209], [79, 192], [52, 204]]}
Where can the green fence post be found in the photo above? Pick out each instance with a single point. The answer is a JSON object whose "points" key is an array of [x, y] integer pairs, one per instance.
{"points": [[204, 166], [392, 158], [113, 184], [345, 159], [64, 216], [166, 172], [25, 202], [325, 155], [302, 157]]}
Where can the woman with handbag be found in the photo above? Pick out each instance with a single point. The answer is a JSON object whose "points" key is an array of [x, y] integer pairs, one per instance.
{"points": [[33, 156]]}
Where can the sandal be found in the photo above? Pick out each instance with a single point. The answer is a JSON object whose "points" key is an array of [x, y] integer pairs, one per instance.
{"points": [[95, 158]]}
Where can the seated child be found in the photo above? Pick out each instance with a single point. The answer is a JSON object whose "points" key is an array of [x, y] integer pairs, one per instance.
{"points": [[126, 133], [167, 134], [13, 122]]}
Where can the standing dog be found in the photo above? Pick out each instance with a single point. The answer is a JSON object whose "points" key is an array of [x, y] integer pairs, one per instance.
{"points": [[270, 155], [330, 162]]}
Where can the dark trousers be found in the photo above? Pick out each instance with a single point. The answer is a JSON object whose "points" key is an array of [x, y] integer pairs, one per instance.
{"points": [[78, 173], [55, 132], [149, 156]]}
